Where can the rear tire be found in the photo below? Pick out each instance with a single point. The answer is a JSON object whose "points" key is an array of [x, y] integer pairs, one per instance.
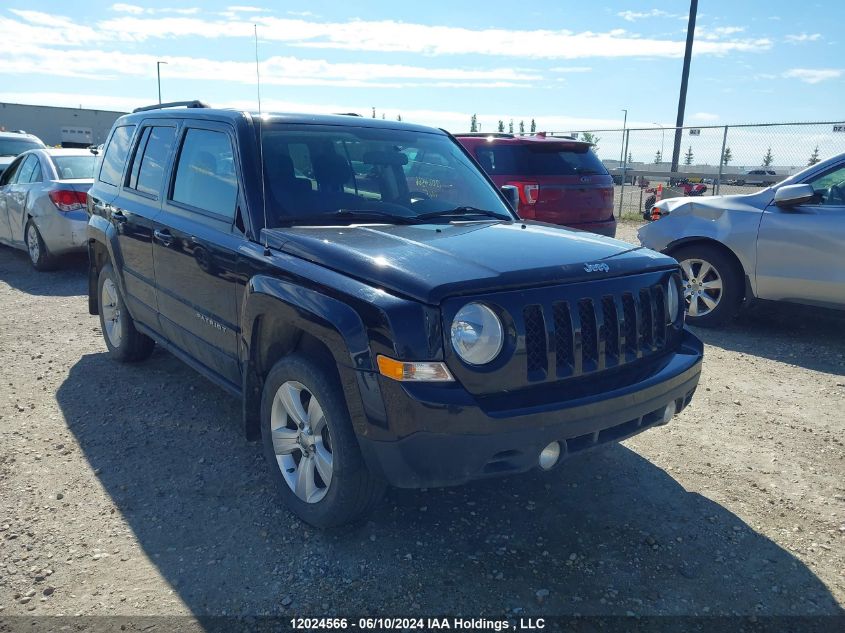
{"points": [[713, 284], [124, 342], [39, 256], [310, 445]]}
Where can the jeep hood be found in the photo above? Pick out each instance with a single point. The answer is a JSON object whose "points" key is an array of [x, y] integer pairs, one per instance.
{"points": [[429, 262]]}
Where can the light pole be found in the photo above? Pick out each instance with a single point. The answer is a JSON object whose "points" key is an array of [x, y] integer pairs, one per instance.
{"points": [[662, 138], [624, 125], [158, 74]]}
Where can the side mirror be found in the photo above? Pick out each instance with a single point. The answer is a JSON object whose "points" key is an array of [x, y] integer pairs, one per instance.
{"points": [[511, 193], [792, 195]]}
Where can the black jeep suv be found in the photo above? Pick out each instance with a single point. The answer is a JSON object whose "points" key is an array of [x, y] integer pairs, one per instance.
{"points": [[373, 300]]}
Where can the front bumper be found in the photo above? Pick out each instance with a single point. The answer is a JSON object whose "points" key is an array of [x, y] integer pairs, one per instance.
{"points": [[459, 440]]}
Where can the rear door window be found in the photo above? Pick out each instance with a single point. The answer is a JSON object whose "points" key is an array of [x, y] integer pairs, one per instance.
{"points": [[150, 160], [26, 170], [115, 155]]}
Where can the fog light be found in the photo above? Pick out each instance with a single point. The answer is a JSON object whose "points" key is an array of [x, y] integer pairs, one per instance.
{"points": [[669, 412], [550, 455]]}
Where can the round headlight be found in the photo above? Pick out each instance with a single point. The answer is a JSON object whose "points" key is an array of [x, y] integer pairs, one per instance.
{"points": [[477, 334], [673, 300]]}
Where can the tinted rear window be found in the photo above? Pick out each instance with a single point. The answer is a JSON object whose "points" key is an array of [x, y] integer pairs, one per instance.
{"points": [[13, 147], [69, 167], [115, 156], [548, 159]]}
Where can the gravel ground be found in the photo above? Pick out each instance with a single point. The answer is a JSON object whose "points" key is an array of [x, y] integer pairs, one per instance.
{"points": [[130, 490]]}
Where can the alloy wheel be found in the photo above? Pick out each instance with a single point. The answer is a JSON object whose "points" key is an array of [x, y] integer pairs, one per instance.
{"points": [[702, 286], [301, 441], [32, 244], [111, 312]]}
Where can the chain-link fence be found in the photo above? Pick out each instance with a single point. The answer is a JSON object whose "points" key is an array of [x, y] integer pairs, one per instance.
{"points": [[712, 159]]}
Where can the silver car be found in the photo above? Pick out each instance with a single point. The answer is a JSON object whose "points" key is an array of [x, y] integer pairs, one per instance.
{"points": [[42, 203], [784, 243], [14, 143]]}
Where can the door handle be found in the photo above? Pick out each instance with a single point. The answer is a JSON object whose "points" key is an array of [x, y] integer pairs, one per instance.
{"points": [[163, 237]]}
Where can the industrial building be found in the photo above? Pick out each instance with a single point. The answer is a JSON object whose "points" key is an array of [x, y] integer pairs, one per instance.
{"points": [[65, 127]]}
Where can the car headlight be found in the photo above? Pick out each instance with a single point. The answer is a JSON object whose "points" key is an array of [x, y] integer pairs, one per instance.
{"points": [[673, 299], [477, 334]]}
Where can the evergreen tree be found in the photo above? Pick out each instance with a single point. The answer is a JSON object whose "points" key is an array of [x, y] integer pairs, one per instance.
{"points": [[630, 158], [522, 127], [382, 116], [768, 159], [398, 117], [814, 157], [510, 127], [658, 157], [533, 126], [727, 156], [473, 124], [374, 112], [589, 137], [501, 126], [688, 157]]}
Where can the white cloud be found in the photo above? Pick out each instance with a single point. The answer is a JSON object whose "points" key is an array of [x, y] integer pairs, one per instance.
{"points": [[800, 38], [633, 16], [127, 8], [453, 120], [134, 9], [813, 75], [571, 69], [246, 9], [95, 64], [405, 37], [704, 117]]}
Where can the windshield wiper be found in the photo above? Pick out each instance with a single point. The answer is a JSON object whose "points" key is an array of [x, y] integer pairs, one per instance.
{"points": [[464, 211], [349, 215]]}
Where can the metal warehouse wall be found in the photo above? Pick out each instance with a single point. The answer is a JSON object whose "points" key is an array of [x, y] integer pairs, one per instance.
{"points": [[47, 122]]}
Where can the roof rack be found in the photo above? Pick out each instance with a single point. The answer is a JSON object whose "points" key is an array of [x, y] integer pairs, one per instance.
{"points": [[173, 104]]}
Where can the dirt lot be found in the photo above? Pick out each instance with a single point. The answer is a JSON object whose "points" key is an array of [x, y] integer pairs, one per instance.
{"points": [[130, 490]]}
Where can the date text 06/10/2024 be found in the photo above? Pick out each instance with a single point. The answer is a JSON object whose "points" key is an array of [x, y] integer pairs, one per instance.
{"points": [[399, 624]]}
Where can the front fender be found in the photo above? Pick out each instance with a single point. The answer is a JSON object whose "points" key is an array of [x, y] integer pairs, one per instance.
{"points": [[734, 228], [292, 308]]}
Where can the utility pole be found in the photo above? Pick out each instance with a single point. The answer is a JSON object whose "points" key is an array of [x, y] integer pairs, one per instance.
{"points": [[158, 74], [624, 125], [682, 100]]}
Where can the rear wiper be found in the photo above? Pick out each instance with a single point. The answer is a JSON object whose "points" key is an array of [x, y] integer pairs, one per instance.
{"points": [[349, 215], [464, 211]]}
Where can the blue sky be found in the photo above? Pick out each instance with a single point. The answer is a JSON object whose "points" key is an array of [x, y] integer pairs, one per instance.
{"points": [[569, 65]]}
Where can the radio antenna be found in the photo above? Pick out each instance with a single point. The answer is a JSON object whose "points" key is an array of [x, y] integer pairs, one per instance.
{"points": [[261, 143]]}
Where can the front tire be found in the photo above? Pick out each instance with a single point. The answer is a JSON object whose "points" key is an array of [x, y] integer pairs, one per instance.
{"points": [[713, 285], [124, 342], [39, 256], [310, 445]]}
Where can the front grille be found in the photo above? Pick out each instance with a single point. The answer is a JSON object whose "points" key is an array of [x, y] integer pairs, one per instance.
{"points": [[535, 339], [593, 334]]}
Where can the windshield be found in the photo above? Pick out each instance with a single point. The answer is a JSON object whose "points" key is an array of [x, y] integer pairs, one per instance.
{"points": [[13, 146], [68, 167], [356, 174], [540, 159]]}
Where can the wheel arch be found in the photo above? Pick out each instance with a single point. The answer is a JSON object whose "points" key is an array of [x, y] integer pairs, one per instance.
{"points": [[280, 318], [674, 247]]}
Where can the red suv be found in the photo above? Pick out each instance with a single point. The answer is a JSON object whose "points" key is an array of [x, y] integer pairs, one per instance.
{"points": [[560, 180]]}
